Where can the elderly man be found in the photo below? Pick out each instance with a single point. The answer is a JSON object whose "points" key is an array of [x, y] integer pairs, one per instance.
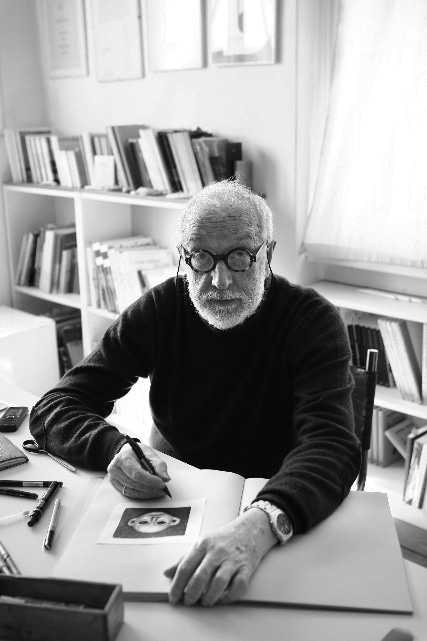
{"points": [[249, 374]]}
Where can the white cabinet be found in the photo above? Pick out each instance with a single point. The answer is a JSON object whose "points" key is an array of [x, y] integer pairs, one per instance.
{"points": [[414, 311], [98, 216]]}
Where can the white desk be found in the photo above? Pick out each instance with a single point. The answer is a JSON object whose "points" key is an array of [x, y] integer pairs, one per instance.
{"points": [[161, 622]]}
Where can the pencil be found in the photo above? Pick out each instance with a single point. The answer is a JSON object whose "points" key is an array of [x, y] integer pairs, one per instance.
{"points": [[145, 463]]}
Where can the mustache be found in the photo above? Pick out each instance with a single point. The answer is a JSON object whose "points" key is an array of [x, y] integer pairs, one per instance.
{"points": [[226, 295]]}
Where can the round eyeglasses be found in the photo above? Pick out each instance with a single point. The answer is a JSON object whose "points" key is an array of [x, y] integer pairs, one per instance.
{"points": [[203, 261]]}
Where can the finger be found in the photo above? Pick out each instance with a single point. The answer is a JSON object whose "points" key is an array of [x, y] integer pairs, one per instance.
{"points": [[143, 488], [184, 572], [237, 586], [158, 463], [126, 470], [141, 492], [170, 572], [219, 584]]}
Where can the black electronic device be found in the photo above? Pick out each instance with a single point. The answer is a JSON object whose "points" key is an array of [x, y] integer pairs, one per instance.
{"points": [[12, 418]]}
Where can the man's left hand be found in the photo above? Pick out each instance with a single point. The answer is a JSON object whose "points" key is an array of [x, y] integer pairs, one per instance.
{"points": [[219, 567]]}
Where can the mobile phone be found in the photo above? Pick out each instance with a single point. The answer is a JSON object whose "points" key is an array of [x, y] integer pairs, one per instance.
{"points": [[12, 418]]}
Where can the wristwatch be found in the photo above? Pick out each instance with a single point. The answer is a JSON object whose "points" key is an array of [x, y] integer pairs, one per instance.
{"points": [[280, 523]]}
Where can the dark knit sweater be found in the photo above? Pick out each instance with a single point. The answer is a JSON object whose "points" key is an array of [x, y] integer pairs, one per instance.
{"points": [[270, 398]]}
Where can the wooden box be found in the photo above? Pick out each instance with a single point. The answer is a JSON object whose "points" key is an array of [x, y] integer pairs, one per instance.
{"points": [[51, 609]]}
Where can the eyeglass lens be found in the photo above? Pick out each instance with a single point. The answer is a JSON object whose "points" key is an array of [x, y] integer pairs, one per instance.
{"points": [[236, 260]]}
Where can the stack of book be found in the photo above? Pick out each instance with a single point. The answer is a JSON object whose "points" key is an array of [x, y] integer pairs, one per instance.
{"points": [[38, 156], [403, 359], [363, 337], [123, 269], [48, 260], [21, 148], [166, 160]]}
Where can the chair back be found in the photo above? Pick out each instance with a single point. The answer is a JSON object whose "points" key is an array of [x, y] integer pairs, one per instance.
{"points": [[363, 397]]}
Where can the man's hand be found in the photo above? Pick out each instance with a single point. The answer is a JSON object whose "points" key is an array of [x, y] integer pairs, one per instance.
{"points": [[125, 471], [219, 567]]}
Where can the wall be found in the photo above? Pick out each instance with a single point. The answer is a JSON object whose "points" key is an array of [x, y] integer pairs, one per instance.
{"points": [[253, 104], [21, 94]]}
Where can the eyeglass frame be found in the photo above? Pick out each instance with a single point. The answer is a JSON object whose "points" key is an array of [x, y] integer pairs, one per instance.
{"points": [[217, 257]]}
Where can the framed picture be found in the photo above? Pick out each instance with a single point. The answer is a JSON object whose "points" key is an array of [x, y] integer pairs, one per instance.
{"points": [[65, 37], [174, 34], [243, 32], [117, 40]]}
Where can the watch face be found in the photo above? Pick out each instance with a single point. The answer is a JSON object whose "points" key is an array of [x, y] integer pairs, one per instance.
{"points": [[283, 524]]}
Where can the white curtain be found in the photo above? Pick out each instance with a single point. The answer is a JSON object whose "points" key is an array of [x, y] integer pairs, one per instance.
{"points": [[370, 198]]}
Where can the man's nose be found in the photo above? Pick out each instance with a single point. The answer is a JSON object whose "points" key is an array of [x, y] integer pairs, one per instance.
{"points": [[221, 276]]}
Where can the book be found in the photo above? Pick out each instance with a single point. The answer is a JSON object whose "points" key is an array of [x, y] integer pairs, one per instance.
{"points": [[328, 554], [130, 267], [106, 281], [401, 354], [17, 152], [154, 160], [119, 136], [415, 482], [55, 238], [398, 433], [387, 451], [213, 150], [424, 365], [410, 442]]}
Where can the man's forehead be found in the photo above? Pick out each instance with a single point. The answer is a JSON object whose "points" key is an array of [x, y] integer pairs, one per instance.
{"points": [[241, 225]]}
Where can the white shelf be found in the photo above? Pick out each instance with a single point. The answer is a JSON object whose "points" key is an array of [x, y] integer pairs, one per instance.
{"points": [[357, 298], [69, 300], [390, 398], [98, 215], [388, 479]]}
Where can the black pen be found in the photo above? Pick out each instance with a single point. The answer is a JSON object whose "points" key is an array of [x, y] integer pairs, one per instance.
{"points": [[5, 483], [42, 504], [145, 463], [47, 543], [23, 495]]}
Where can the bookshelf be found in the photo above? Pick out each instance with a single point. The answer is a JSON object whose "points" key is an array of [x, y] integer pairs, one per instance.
{"points": [[98, 216], [413, 310]]}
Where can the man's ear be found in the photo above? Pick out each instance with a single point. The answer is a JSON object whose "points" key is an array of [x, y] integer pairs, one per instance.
{"points": [[270, 249], [131, 522], [175, 520]]}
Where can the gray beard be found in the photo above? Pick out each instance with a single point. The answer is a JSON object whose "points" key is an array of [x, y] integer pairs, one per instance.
{"points": [[224, 318]]}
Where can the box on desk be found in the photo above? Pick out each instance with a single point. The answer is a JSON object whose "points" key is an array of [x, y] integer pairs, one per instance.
{"points": [[50, 609], [28, 351]]}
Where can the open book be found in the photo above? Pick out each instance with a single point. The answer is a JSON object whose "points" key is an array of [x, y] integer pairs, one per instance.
{"points": [[352, 560]]}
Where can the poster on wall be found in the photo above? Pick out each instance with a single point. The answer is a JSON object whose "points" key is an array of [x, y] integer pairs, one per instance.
{"points": [[174, 34], [65, 37], [117, 39], [243, 32]]}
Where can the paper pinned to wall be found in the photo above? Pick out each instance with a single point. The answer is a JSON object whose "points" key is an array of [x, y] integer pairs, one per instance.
{"points": [[115, 23]]}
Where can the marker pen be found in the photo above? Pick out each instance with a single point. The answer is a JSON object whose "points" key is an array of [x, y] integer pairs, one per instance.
{"points": [[42, 504]]}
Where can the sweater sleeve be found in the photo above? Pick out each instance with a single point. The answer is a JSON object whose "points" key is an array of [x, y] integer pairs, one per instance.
{"points": [[318, 473], [70, 419]]}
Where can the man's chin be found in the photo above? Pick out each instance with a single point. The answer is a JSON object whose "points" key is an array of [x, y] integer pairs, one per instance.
{"points": [[223, 319]]}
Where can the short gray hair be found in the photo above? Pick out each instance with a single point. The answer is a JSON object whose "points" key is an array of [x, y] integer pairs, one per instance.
{"points": [[222, 194]]}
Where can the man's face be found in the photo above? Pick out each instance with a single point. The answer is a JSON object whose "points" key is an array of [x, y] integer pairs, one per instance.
{"points": [[153, 522], [222, 297]]}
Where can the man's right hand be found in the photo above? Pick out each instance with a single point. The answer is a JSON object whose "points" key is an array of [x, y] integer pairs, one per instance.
{"points": [[125, 471]]}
